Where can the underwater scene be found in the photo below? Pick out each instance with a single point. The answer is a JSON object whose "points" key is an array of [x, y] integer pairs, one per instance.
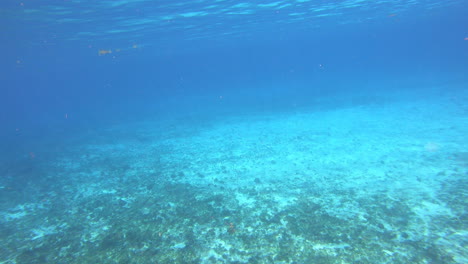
{"points": [[223, 131]]}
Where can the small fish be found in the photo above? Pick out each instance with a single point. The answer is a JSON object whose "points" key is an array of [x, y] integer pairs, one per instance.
{"points": [[104, 52]]}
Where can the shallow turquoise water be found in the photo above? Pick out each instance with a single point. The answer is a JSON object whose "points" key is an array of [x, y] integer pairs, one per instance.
{"points": [[233, 132]]}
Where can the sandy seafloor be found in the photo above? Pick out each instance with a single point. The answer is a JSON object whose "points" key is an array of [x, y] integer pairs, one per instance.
{"points": [[378, 179]]}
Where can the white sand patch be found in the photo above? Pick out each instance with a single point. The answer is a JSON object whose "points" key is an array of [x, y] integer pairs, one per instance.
{"points": [[244, 200], [19, 211], [14, 216], [43, 231], [330, 246], [427, 209]]}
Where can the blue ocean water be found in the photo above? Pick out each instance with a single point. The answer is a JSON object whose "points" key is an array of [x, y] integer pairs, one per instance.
{"points": [[221, 131]]}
